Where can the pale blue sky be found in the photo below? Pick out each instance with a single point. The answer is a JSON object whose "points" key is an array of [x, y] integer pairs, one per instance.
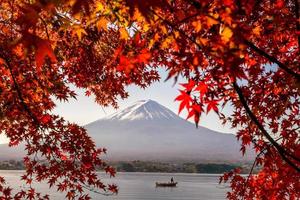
{"points": [[84, 110]]}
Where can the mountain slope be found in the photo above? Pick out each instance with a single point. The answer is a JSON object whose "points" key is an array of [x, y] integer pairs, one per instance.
{"points": [[150, 131]]}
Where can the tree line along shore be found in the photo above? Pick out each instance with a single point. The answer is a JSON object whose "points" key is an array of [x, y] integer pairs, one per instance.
{"points": [[152, 166]]}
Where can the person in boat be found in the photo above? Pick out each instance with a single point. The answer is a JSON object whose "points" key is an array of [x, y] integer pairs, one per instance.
{"points": [[172, 180]]}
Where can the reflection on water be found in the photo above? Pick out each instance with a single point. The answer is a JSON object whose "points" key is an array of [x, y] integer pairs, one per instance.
{"points": [[141, 186]]}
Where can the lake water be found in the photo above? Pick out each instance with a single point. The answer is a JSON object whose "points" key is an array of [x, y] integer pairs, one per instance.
{"points": [[141, 186]]}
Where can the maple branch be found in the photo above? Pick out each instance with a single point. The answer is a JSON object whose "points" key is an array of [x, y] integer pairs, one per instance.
{"points": [[272, 59], [188, 18], [283, 153], [26, 108], [280, 149], [247, 42], [261, 52]]}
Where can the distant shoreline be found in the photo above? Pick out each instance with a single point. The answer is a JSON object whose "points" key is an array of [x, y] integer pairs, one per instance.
{"points": [[143, 173], [155, 167]]}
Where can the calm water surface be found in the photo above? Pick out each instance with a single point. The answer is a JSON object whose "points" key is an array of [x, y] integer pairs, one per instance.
{"points": [[141, 186]]}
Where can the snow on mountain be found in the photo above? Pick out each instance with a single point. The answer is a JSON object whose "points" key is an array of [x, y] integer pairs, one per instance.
{"points": [[149, 131], [143, 110]]}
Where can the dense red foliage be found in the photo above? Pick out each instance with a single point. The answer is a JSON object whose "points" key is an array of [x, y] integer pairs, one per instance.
{"points": [[242, 53]]}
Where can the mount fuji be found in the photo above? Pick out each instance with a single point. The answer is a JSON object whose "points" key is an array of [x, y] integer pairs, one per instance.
{"points": [[148, 131], [151, 132]]}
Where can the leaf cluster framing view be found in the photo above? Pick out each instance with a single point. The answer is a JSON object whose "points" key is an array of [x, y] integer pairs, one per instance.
{"points": [[230, 52]]}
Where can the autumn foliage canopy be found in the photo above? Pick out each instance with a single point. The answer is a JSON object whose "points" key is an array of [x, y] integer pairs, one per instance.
{"points": [[230, 52]]}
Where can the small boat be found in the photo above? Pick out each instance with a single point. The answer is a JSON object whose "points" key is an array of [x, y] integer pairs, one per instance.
{"points": [[166, 184]]}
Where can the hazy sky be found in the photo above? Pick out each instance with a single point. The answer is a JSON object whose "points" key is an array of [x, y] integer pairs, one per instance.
{"points": [[84, 110]]}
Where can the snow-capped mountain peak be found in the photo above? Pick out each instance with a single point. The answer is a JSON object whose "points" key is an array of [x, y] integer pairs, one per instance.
{"points": [[144, 109], [147, 130]]}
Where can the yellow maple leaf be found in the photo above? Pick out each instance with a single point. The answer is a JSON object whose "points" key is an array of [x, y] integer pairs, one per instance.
{"points": [[197, 26], [102, 23], [202, 41], [79, 31], [176, 34], [164, 29], [256, 30], [226, 34], [167, 42], [99, 7], [71, 2], [137, 16], [156, 37], [210, 21], [145, 27], [123, 33]]}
